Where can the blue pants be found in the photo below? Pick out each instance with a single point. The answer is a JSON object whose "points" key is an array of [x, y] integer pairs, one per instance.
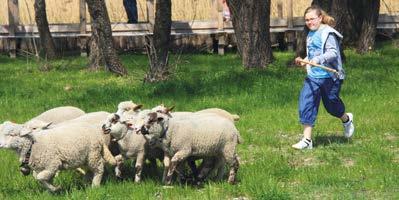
{"points": [[314, 90], [131, 10]]}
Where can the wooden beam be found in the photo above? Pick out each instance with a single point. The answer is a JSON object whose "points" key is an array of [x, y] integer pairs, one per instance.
{"points": [[221, 36], [13, 21], [290, 34], [82, 28], [150, 15], [280, 10]]}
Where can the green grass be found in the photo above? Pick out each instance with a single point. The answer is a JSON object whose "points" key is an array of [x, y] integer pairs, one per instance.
{"points": [[365, 167]]}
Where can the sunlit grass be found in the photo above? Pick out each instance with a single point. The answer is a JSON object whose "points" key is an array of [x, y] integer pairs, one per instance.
{"points": [[365, 167]]}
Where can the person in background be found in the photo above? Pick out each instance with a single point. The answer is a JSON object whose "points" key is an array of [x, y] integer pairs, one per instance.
{"points": [[322, 47], [226, 11], [131, 11]]}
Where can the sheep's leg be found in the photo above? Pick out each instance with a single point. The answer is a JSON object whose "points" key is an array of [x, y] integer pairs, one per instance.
{"points": [[166, 163], [45, 177], [98, 172], [139, 167], [108, 157], [96, 163], [220, 169], [153, 162], [193, 167], [206, 166], [232, 161], [119, 163], [176, 159]]}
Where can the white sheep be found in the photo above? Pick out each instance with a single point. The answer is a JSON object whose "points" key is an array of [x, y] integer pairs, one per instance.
{"points": [[130, 144], [60, 114], [210, 136], [93, 118], [128, 108], [182, 115], [209, 165], [63, 147], [52, 116]]}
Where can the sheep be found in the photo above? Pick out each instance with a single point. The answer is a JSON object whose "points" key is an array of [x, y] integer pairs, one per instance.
{"points": [[183, 115], [130, 144], [60, 114], [53, 116], [128, 108], [42, 121], [68, 146], [208, 164], [94, 118], [208, 136]]}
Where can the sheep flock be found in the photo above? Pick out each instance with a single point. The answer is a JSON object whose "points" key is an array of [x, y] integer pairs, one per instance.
{"points": [[190, 147]]}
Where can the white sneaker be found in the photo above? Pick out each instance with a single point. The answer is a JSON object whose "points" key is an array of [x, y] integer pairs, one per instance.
{"points": [[303, 144], [349, 128]]}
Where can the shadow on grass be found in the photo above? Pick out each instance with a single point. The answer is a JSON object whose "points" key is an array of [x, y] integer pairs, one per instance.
{"points": [[326, 140]]}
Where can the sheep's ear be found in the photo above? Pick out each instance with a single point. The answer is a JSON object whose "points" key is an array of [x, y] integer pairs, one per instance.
{"points": [[137, 107], [169, 109], [47, 125], [160, 118], [25, 133], [153, 117]]}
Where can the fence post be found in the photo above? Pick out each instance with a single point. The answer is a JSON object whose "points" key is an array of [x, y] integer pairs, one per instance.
{"points": [[82, 27], [290, 23], [280, 10], [13, 22], [151, 15], [221, 35]]}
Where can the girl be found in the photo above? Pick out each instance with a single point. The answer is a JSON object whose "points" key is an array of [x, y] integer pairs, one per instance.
{"points": [[322, 48]]}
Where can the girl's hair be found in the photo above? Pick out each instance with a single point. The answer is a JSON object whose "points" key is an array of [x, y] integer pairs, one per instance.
{"points": [[325, 18]]}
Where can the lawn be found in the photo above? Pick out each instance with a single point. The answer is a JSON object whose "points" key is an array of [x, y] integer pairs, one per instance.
{"points": [[365, 167]]}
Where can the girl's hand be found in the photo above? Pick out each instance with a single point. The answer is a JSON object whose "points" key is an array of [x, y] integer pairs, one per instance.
{"points": [[298, 61]]}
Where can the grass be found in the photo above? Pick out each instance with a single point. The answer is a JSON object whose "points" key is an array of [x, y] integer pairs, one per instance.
{"points": [[365, 167]]}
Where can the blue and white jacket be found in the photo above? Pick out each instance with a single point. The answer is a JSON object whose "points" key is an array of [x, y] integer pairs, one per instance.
{"points": [[331, 56]]}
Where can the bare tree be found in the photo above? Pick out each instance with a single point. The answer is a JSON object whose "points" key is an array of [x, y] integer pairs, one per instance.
{"points": [[96, 57], [46, 41], [158, 44], [371, 10], [251, 21], [102, 35], [356, 20]]}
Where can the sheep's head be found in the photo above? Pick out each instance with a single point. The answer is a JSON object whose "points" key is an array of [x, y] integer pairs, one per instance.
{"points": [[34, 125], [116, 126], [13, 139], [7, 128], [128, 108], [152, 125], [163, 109]]}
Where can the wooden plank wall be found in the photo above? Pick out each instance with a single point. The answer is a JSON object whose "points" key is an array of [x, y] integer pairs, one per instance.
{"points": [[215, 30]]}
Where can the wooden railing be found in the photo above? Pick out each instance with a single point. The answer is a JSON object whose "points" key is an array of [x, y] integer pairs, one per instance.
{"points": [[216, 26]]}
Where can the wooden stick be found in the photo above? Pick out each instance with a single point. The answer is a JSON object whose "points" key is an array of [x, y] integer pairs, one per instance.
{"points": [[320, 66]]}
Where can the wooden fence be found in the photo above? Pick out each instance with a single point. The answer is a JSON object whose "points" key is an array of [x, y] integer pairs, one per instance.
{"points": [[216, 26]]}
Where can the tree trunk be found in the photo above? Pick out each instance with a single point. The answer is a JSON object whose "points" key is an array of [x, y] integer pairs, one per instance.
{"points": [[301, 44], [101, 25], [158, 44], [46, 41], [371, 10], [251, 22], [96, 58]]}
